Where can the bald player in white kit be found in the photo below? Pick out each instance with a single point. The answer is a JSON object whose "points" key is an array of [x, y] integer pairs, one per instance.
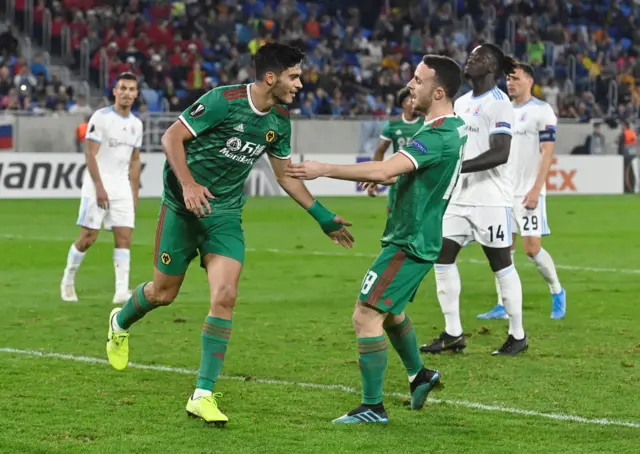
{"points": [[532, 150], [110, 187]]}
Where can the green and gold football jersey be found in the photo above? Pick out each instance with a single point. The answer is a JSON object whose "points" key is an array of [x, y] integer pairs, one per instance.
{"points": [[229, 135], [415, 217]]}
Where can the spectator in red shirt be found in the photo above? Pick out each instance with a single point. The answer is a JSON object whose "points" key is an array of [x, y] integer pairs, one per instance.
{"points": [[195, 79], [312, 27]]}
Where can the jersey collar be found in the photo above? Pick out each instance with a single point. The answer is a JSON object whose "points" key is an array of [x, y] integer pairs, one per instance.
{"points": [[531, 100], [404, 120], [252, 105], [437, 118]]}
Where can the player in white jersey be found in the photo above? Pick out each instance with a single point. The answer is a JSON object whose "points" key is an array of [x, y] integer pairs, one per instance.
{"points": [[532, 149], [110, 186], [480, 207]]}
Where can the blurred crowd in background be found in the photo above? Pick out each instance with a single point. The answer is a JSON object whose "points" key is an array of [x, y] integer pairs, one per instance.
{"points": [[359, 52]]}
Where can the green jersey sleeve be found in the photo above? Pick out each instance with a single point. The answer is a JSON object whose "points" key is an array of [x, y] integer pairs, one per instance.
{"points": [[281, 148], [206, 113], [386, 132], [425, 150]]}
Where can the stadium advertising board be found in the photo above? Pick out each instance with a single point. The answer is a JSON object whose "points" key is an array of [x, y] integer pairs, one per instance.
{"points": [[59, 175]]}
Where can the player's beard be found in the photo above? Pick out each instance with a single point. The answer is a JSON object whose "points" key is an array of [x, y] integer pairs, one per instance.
{"points": [[424, 106], [281, 94]]}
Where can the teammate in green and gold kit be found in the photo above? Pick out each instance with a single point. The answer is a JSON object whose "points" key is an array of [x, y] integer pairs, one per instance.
{"points": [[210, 151], [397, 132], [425, 172]]}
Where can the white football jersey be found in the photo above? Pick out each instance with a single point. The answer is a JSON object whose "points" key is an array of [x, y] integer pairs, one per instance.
{"points": [[534, 122], [485, 115], [118, 136]]}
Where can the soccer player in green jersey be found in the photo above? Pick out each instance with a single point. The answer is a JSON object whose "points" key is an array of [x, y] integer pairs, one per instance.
{"points": [[425, 172], [210, 151], [397, 132]]}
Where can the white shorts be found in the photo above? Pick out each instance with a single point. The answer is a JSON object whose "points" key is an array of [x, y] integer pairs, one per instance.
{"points": [[489, 226], [120, 214], [530, 222]]}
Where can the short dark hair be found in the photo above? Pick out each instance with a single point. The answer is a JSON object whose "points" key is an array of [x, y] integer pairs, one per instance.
{"points": [[448, 73], [527, 69], [506, 64], [402, 95], [276, 57], [126, 76]]}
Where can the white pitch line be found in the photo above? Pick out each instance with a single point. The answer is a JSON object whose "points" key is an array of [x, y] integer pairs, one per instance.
{"points": [[325, 253], [347, 389]]}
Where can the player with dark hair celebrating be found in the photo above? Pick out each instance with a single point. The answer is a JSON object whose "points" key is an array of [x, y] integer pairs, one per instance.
{"points": [[425, 172], [210, 152], [480, 207], [398, 132]]}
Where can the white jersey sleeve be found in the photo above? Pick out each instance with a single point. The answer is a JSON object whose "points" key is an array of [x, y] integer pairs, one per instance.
{"points": [[500, 117], [138, 142], [485, 115], [535, 123], [95, 127], [547, 123]]}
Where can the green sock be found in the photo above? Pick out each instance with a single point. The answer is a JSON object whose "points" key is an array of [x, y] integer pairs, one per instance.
{"points": [[135, 308], [215, 338], [373, 363], [404, 341]]}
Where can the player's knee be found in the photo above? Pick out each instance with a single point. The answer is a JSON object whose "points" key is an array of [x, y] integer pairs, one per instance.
{"points": [[224, 296], [449, 252], [499, 259], [123, 243], [531, 250], [162, 296], [366, 320], [86, 239]]}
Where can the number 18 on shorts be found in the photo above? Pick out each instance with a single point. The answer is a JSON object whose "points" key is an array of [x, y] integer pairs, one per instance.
{"points": [[393, 280]]}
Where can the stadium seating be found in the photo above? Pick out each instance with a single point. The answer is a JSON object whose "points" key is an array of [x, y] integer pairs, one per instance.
{"points": [[356, 59]]}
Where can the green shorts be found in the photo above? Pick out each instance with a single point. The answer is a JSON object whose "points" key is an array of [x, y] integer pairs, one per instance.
{"points": [[181, 237], [393, 280]]}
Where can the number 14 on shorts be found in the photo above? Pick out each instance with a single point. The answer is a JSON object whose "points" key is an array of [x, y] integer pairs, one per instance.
{"points": [[496, 232]]}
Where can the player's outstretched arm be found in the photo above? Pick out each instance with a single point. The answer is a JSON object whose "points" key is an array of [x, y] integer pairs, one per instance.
{"points": [[135, 168], [496, 155], [378, 155], [333, 225], [195, 196], [374, 171]]}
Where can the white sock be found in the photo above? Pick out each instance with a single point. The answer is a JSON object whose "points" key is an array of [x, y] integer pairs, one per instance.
{"points": [[114, 325], [74, 259], [121, 264], [198, 393], [498, 291], [545, 265], [511, 289], [449, 286]]}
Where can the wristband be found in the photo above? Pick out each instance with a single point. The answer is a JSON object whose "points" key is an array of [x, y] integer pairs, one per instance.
{"points": [[324, 217]]}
